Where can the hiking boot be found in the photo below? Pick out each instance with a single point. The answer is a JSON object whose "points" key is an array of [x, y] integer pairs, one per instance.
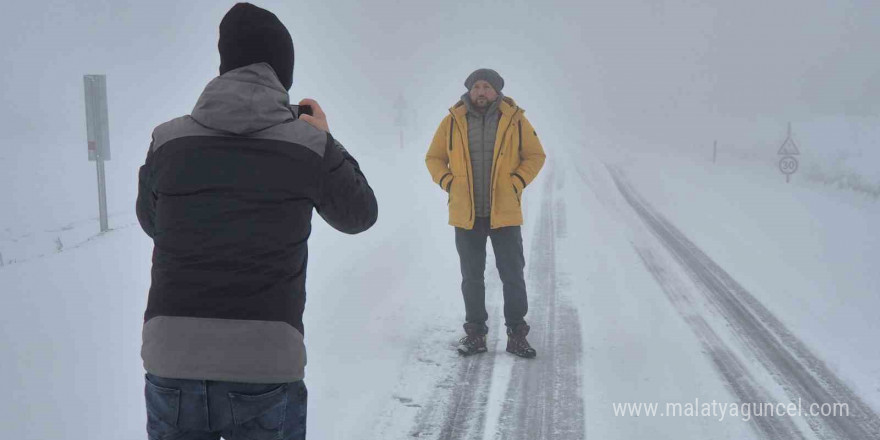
{"points": [[475, 340], [517, 343]]}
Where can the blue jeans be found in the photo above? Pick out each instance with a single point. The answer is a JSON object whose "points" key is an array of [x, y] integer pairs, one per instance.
{"points": [[184, 409]]}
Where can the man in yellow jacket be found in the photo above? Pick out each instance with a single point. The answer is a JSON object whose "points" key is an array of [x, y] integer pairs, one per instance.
{"points": [[484, 154]]}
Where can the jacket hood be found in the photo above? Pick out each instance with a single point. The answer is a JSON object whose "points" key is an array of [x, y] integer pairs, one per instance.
{"points": [[243, 100]]}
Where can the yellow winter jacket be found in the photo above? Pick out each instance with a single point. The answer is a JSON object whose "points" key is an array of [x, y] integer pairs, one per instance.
{"points": [[517, 159]]}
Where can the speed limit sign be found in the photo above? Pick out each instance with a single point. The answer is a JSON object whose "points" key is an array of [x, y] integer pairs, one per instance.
{"points": [[788, 165]]}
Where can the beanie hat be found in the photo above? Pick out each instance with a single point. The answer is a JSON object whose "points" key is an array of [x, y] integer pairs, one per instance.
{"points": [[249, 35], [490, 76]]}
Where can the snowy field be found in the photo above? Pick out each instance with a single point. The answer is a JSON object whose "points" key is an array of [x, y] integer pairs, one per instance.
{"points": [[384, 310]]}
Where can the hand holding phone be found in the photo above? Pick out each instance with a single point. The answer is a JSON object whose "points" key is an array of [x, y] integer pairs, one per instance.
{"points": [[299, 110], [315, 115]]}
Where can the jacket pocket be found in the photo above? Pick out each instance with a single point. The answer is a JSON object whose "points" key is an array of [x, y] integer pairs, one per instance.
{"points": [[459, 200], [516, 192], [448, 188], [446, 181]]}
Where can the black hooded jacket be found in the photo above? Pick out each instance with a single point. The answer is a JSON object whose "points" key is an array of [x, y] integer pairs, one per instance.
{"points": [[227, 195]]}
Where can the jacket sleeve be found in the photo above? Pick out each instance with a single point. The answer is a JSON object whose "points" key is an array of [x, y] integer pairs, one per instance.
{"points": [[146, 198], [437, 158], [346, 201], [531, 153]]}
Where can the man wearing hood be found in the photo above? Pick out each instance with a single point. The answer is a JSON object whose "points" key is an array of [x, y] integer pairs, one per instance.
{"points": [[227, 195], [484, 154]]}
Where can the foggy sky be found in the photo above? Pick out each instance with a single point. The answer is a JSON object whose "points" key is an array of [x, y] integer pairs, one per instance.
{"points": [[657, 71]]}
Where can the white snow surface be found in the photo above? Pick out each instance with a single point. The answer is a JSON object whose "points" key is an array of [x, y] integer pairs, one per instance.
{"points": [[384, 308]]}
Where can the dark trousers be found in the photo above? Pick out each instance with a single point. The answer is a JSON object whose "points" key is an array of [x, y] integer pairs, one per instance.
{"points": [[185, 409], [510, 261]]}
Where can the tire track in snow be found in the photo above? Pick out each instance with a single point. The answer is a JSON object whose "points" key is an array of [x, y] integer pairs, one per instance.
{"points": [[544, 396], [457, 409], [736, 375], [801, 374], [466, 416]]}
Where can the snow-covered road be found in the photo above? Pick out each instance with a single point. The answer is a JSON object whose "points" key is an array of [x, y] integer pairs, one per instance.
{"points": [[630, 302], [538, 398], [743, 349], [792, 365]]}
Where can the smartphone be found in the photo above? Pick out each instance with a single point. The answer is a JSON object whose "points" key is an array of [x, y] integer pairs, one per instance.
{"points": [[299, 110]]}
